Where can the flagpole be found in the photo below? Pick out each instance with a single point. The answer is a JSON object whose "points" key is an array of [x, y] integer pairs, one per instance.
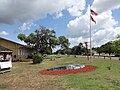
{"points": [[90, 37]]}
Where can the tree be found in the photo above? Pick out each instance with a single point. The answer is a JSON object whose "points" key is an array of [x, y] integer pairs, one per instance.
{"points": [[81, 48], [63, 42], [112, 47], [118, 36], [78, 50], [42, 40], [60, 52], [68, 51], [108, 48], [99, 50], [45, 38], [21, 36], [116, 44], [75, 50]]}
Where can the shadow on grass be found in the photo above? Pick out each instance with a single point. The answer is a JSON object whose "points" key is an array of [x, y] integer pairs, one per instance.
{"points": [[31, 63]]}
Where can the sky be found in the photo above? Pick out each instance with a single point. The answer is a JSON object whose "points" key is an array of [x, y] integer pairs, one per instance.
{"points": [[70, 18]]}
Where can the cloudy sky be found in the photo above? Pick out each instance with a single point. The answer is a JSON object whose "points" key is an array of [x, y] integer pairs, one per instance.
{"points": [[67, 17]]}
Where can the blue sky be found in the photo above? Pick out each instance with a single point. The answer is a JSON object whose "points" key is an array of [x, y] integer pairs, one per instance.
{"points": [[67, 17]]}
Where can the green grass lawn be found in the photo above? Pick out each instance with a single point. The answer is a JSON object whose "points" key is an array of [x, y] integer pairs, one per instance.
{"points": [[105, 77], [26, 76]]}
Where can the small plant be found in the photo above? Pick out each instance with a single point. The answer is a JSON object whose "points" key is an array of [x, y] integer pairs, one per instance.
{"points": [[75, 56], [109, 67], [37, 58]]}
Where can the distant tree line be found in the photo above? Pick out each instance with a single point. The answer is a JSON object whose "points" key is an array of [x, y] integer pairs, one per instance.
{"points": [[112, 47], [79, 49], [44, 40]]}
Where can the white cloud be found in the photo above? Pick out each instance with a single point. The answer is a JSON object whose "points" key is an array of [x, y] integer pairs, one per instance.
{"points": [[105, 5], [26, 26], [22, 42], [77, 7], [3, 33], [78, 29], [26, 10], [105, 30], [58, 15], [56, 48], [76, 41]]}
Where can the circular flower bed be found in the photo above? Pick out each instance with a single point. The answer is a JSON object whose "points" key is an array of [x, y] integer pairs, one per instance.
{"points": [[68, 71]]}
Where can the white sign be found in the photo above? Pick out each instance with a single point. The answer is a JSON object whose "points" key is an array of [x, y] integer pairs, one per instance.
{"points": [[6, 64]]}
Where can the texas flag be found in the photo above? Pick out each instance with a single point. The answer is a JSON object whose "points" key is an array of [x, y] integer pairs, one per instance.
{"points": [[92, 19]]}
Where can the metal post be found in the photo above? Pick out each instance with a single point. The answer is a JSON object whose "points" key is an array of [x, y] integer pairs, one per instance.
{"points": [[90, 37]]}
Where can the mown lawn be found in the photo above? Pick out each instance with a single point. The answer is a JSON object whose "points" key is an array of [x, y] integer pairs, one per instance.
{"points": [[26, 76], [105, 77]]}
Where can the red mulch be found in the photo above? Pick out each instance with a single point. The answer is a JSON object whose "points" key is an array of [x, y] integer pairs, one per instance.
{"points": [[69, 71]]}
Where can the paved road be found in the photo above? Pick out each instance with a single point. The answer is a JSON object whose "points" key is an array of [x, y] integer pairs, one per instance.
{"points": [[115, 58]]}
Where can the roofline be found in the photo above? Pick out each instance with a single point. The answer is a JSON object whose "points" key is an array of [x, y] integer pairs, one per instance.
{"points": [[11, 41], [5, 51]]}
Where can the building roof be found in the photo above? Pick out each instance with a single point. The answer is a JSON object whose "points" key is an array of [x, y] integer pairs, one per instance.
{"points": [[11, 41], [3, 49], [20, 45]]}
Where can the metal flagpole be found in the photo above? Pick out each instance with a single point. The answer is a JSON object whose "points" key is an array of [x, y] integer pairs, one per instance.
{"points": [[90, 37]]}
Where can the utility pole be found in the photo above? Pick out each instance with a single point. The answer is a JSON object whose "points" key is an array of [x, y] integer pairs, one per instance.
{"points": [[86, 45]]}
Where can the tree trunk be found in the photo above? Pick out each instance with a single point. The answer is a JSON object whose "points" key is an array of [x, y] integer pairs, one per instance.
{"points": [[104, 57], [109, 56]]}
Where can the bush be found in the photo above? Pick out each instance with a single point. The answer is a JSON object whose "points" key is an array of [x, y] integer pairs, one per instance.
{"points": [[109, 67], [37, 58]]}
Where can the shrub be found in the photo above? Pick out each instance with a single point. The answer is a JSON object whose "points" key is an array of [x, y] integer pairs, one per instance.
{"points": [[109, 67], [37, 58]]}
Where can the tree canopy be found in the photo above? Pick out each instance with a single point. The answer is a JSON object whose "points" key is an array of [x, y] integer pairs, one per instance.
{"points": [[42, 40], [63, 42], [76, 50], [112, 47]]}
